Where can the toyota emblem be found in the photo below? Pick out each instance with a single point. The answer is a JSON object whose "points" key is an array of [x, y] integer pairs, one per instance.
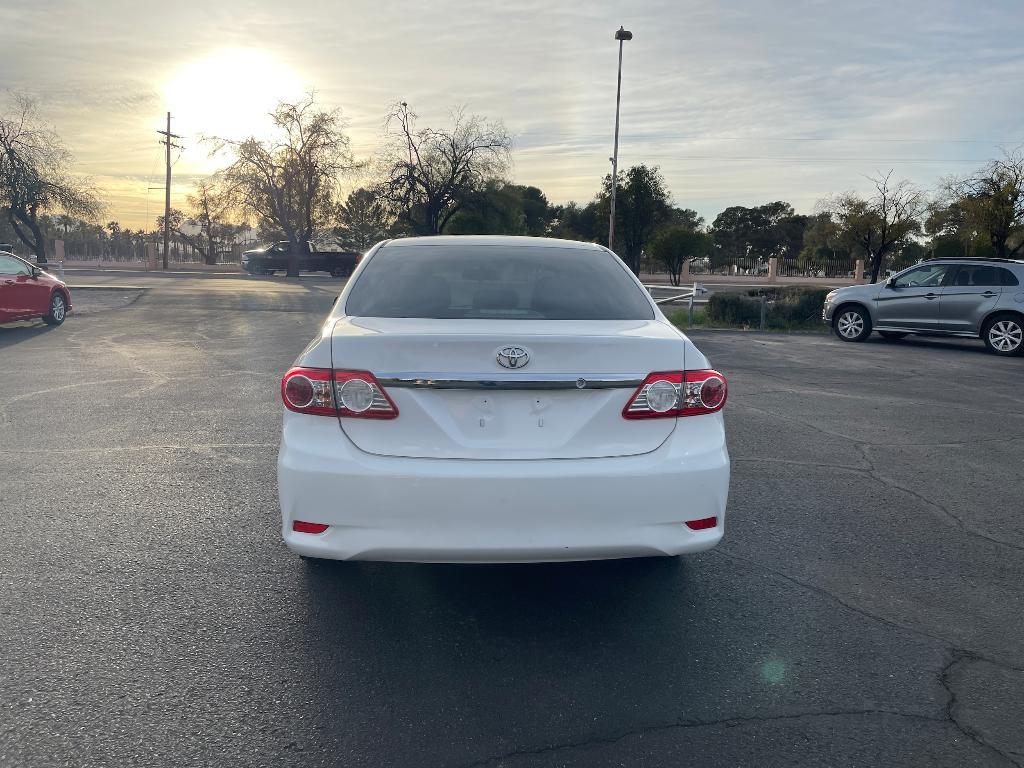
{"points": [[512, 357]]}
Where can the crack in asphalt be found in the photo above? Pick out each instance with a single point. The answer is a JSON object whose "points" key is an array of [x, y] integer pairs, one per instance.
{"points": [[690, 723], [956, 520], [722, 552], [872, 471], [946, 642], [961, 657]]}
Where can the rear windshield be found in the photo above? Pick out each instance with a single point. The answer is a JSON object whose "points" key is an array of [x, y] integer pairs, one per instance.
{"points": [[496, 282]]}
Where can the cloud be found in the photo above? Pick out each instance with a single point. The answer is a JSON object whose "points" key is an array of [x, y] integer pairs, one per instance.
{"points": [[724, 97]]}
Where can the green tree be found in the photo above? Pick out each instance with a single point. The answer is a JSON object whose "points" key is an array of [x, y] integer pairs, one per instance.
{"points": [[990, 202], [500, 208], [762, 232], [363, 219], [289, 183], [674, 246], [822, 242], [575, 222], [642, 206], [687, 218], [880, 224]]}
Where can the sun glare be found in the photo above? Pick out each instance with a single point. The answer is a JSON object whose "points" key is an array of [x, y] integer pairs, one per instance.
{"points": [[229, 93]]}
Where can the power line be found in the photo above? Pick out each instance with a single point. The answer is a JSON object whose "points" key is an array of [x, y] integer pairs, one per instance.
{"points": [[822, 159], [850, 139]]}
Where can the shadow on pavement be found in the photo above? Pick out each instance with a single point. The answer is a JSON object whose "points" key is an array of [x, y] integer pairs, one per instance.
{"points": [[525, 601], [23, 330], [944, 343]]}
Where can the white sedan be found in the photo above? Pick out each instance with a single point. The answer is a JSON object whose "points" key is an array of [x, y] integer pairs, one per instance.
{"points": [[500, 399]]}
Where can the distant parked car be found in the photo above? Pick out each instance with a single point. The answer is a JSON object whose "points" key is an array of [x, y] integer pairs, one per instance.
{"points": [[500, 399], [272, 258], [26, 291], [976, 298]]}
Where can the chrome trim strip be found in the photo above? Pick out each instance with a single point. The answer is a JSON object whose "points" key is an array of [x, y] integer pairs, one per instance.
{"points": [[927, 331], [489, 381]]}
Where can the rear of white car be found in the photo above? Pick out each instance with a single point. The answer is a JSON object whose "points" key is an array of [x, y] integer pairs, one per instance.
{"points": [[500, 400]]}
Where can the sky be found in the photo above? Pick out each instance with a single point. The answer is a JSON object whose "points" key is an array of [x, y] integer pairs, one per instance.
{"points": [[738, 103]]}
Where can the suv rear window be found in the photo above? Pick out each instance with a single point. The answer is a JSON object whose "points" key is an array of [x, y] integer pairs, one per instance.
{"points": [[496, 282], [970, 274]]}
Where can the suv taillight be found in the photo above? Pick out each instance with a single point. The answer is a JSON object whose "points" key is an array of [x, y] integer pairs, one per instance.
{"points": [[323, 392], [673, 394]]}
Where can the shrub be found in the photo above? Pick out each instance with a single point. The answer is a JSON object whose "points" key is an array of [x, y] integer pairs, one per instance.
{"points": [[734, 309], [793, 305]]}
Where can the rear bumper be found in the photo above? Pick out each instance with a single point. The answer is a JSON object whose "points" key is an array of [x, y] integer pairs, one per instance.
{"points": [[456, 510]]}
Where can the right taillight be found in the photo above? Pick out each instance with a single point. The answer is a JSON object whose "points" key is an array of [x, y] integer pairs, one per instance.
{"points": [[673, 394], [349, 394]]}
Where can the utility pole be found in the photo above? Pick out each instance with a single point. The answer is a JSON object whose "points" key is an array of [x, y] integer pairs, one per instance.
{"points": [[622, 35], [166, 141]]}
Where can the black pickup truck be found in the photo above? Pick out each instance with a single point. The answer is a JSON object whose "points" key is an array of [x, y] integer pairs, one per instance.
{"points": [[268, 259]]}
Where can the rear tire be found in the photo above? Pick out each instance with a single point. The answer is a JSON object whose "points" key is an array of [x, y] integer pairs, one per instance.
{"points": [[1004, 335], [58, 309], [891, 335], [851, 323]]}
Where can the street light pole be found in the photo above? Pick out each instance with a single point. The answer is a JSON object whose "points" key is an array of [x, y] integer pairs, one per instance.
{"points": [[621, 35]]}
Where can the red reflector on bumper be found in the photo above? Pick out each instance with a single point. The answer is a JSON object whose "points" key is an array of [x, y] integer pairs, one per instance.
{"points": [[700, 525], [303, 527]]}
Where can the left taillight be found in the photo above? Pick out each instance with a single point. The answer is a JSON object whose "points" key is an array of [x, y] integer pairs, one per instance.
{"points": [[348, 394], [674, 394]]}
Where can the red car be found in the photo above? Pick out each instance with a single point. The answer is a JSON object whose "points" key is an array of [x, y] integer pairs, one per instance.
{"points": [[27, 291]]}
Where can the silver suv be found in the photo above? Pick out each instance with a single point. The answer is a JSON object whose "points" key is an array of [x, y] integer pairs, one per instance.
{"points": [[962, 297]]}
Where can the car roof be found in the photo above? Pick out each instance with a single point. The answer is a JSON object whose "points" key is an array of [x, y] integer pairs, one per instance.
{"points": [[491, 240], [973, 260]]}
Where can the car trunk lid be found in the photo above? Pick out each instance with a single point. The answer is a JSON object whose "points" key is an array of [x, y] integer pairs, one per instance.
{"points": [[562, 399]]}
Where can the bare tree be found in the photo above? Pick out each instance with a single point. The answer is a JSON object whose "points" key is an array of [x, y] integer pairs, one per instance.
{"points": [[289, 183], [206, 227], [991, 202], [877, 225], [432, 173], [209, 208], [35, 176]]}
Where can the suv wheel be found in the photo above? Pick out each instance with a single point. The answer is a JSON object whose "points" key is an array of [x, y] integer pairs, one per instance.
{"points": [[1004, 335], [852, 324]]}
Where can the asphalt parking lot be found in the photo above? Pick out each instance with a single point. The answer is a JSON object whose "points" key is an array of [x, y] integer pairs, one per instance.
{"points": [[864, 609]]}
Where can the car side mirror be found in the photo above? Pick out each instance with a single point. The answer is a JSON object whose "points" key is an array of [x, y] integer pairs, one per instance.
{"points": [[890, 283]]}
